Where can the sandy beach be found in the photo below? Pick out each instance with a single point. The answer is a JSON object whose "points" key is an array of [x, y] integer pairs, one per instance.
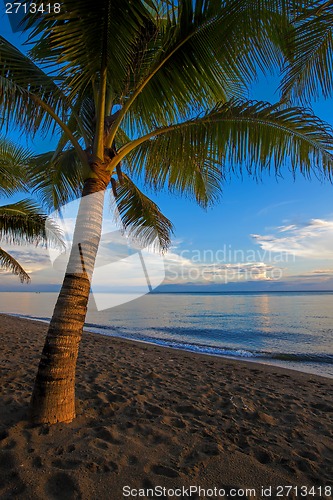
{"points": [[150, 417]]}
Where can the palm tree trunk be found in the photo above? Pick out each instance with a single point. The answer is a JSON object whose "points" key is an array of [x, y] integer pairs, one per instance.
{"points": [[53, 398]]}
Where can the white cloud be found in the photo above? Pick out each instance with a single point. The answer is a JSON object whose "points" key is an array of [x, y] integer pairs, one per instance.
{"points": [[313, 239], [327, 272], [179, 269], [32, 258]]}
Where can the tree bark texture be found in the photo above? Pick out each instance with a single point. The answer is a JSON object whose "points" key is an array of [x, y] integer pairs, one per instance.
{"points": [[53, 398]]}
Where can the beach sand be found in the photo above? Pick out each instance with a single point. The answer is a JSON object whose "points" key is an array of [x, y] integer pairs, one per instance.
{"points": [[151, 416]]}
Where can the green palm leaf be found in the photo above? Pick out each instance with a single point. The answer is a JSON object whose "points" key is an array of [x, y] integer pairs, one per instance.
{"points": [[141, 217], [87, 35], [14, 162], [23, 223], [202, 53], [164, 56], [23, 88], [56, 177], [310, 66], [192, 157], [8, 262]]}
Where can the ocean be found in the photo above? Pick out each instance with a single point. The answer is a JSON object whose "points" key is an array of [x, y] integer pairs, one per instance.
{"points": [[291, 329]]}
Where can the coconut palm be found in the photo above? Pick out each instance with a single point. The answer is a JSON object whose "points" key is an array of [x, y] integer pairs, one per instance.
{"points": [[154, 90], [21, 222]]}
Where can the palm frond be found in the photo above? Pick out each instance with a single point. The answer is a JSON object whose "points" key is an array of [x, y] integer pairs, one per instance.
{"points": [[202, 53], [14, 160], [88, 117], [8, 262], [22, 223], [23, 86], [85, 34], [192, 157], [141, 217], [308, 73], [56, 177], [166, 55]]}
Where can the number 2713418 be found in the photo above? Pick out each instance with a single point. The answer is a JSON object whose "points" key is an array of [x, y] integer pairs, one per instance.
{"points": [[32, 8]]}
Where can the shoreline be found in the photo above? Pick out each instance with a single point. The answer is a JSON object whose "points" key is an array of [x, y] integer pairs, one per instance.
{"points": [[287, 365], [149, 416]]}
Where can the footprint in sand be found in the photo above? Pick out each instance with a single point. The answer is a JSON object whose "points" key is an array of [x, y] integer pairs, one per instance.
{"points": [[105, 434], [37, 462], [7, 461], [323, 407], [3, 435], [153, 409], [132, 460], [263, 456], [102, 467], [116, 398], [174, 422], [66, 464], [188, 409], [210, 449], [61, 486], [102, 445], [162, 470], [10, 444]]}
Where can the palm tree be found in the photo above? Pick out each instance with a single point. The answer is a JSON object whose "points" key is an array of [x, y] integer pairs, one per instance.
{"points": [[22, 222], [156, 89]]}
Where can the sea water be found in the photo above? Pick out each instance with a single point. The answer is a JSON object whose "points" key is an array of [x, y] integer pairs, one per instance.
{"points": [[290, 329]]}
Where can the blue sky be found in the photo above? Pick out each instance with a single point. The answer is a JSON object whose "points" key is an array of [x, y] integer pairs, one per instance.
{"points": [[275, 234]]}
